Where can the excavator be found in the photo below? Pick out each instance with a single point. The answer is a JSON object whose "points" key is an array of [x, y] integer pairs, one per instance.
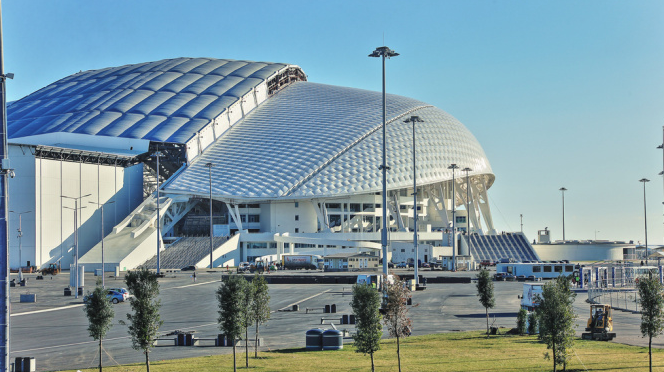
{"points": [[600, 323]]}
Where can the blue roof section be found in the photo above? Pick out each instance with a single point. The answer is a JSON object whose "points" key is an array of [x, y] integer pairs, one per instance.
{"points": [[164, 101], [313, 140]]}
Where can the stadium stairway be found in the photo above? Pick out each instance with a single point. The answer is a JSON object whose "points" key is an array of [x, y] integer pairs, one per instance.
{"points": [[132, 241], [506, 245], [194, 251]]}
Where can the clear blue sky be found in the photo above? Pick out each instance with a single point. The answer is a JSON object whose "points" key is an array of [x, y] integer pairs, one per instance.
{"points": [[559, 93]]}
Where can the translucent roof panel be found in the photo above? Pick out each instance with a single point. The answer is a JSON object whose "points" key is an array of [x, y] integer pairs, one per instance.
{"points": [[315, 140], [163, 101]]}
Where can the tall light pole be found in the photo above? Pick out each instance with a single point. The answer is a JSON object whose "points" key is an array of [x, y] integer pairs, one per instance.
{"points": [[645, 215], [453, 167], [158, 154], [467, 170], [562, 189], [20, 236], [521, 215], [596, 231], [210, 165], [75, 209], [5, 171], [103, 263], [384, 52], [415, 119]]}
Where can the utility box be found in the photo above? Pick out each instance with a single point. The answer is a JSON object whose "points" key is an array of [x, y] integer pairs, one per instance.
{"points": [[29, 297]]}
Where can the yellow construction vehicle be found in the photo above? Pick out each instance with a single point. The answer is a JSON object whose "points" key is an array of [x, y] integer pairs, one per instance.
{"points": [[52, 269], [600, 323]]}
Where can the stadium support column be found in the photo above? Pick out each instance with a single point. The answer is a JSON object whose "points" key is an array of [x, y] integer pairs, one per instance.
{"points": [[453, 167], [384, 52], [210, 165], [158, 155], [415, 119]]}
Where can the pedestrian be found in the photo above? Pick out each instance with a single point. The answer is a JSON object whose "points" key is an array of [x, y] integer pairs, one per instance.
{"points": [[194, 277]]}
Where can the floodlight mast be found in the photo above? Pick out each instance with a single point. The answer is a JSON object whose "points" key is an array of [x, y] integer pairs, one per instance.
{"points": [[384, 52], [453, 167], [4, 232], [210, 165], [415, 119], [645, 214]]}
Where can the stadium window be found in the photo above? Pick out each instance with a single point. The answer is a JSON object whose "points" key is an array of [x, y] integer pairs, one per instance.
{"points": [[558, 268], [297, 230], [569, 268], [461, 219], [355, 207], [403, 251], [297, 217], [537, 269], [403, 207], [547, 269], [297, 204]]}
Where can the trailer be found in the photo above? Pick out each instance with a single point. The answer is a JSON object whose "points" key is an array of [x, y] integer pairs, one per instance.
{"points": [[301, 261], [531, 293]]}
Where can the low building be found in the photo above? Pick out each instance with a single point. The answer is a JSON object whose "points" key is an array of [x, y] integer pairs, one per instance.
{"points": [[351, 262]]}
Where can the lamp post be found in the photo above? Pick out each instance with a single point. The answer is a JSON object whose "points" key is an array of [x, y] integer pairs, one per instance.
{"points": [[596, 231], [103, 264], [75, 209], [521, 215], [467, 170], [645, 215], [158, 154], [20, 236], [562, 189], [210, 165], [415, 119], [453, 167], [384, 52]]}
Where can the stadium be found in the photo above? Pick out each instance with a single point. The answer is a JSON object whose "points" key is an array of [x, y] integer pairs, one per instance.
{"points": [[247, 159]]}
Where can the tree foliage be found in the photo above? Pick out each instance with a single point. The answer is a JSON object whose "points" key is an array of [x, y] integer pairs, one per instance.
{"points": [[231, 297], [396, 311], [485, 293], [145, 321], [651, 293], [532, 324], [521, 320], [100, 313], [366, 307], [556, 319], [259, 311]]}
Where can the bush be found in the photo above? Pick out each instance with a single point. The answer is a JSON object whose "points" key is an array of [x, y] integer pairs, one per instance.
{"points": [[521, 319], [532, 324]]}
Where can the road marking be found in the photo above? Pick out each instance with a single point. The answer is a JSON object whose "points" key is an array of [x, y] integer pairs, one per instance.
{"points": [[296, 303], [47, 310], [193, 285]]}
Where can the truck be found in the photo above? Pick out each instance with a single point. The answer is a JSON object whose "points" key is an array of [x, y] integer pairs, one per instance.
{"points": [[301, 261], [531, 291]]}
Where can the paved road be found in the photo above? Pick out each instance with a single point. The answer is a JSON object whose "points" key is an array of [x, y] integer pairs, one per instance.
{"points": [[54, 330]]}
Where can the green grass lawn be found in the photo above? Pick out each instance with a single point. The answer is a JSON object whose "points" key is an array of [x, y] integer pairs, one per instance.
{"points": [[466, 351]]}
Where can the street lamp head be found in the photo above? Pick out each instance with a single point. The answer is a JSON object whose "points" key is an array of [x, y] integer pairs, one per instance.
{"points": [[644, 180], [562, 189], [209, 165], [453, 167], [383, 52], [414, 119], [466, 169]]}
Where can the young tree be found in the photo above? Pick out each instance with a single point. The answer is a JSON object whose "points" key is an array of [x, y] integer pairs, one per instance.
{"points": [[556, 316], [366, 307], [532, 323], [652, 304], [246, 318], [100, 313], [231, 296], [521, 319], [260, 305], [485, 293], [145, 321], [396, 312]]}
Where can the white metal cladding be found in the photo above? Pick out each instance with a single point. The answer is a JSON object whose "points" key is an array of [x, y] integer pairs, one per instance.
{"points": [[165, 101], [315, 140]]}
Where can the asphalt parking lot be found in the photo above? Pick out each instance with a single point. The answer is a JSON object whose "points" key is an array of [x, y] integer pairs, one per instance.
{"points": [[54, 329]]}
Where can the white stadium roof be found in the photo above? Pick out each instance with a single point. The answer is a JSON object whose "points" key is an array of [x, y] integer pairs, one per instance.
{"points": [[163, 101], [313, 140]]}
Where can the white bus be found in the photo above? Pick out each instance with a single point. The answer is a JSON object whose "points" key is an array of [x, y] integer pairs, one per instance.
{"points": [[537, 270]]}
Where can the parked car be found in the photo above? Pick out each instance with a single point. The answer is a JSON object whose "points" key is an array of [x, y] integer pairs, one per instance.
{"points": [[123, 291], [113, 296], [425, 265], [521, 278], [532, 278], [402, 265], [243, 266], [499, 276], [486, 263], [188, 268], [510, 277]]}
